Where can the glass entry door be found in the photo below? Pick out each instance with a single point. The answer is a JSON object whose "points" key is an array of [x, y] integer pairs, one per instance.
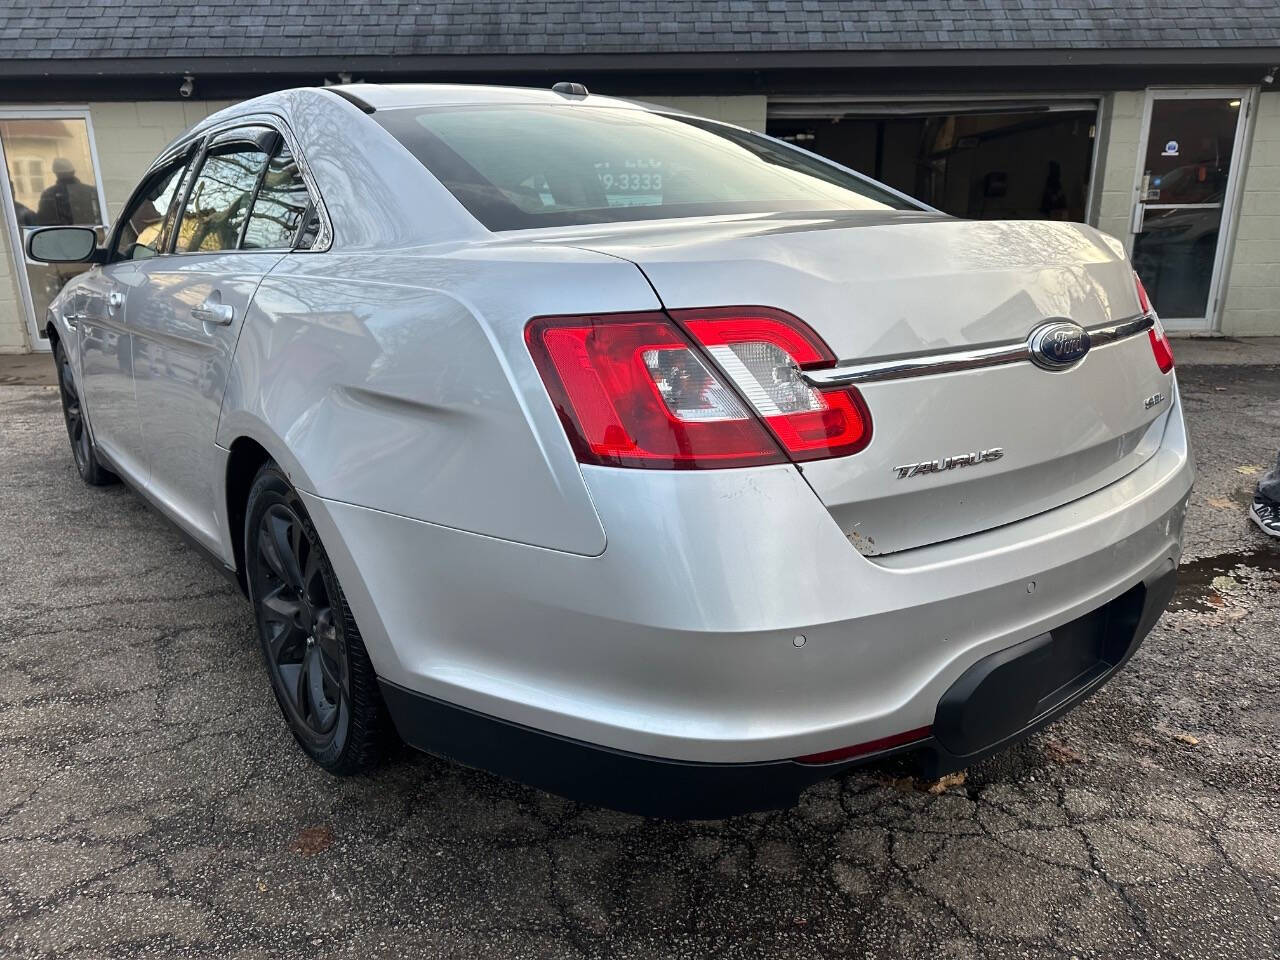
{"points": [[51, 178], [1188, 162]]}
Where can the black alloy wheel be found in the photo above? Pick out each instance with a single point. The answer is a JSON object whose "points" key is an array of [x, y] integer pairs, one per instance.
{"points": [[319, 669], [86, 458]]}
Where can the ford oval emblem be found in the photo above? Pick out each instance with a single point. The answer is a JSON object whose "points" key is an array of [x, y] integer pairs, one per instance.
{"points": [[1058, 344]]}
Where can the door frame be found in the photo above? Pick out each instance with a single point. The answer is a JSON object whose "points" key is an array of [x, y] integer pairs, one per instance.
{"points": [[18, 254], [1211, 322]]}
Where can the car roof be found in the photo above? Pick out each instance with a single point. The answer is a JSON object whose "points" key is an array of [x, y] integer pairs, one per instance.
{"points": [[387, 96]]}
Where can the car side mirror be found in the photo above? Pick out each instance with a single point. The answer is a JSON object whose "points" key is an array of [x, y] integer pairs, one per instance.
{"points": [[64, 245]]}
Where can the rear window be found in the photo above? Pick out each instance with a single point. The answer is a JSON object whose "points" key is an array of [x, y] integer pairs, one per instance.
{"points": [[515, 167]]}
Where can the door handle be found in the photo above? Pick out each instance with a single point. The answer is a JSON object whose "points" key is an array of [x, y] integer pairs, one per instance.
{"points": [[211, 311], [114, 300]]}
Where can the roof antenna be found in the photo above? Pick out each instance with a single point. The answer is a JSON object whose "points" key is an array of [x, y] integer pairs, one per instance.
{"points": [[575, 91]]}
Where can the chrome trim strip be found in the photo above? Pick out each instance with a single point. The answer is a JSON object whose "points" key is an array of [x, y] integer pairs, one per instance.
{"points": [[902, 368], [898, 369], [1111, 332]]}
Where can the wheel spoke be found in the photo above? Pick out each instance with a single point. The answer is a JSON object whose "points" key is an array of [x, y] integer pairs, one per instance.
{"points": [[313, 580], [278, 546], [290, 682], [328, 671], [294, 558], [267, 550], [301, 694], [323, 708], [278, 608], [285, 646]]}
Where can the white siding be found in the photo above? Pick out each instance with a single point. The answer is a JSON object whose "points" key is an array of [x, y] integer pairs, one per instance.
{"points": [[1253, 288], [1124, 127], [746, 112]]}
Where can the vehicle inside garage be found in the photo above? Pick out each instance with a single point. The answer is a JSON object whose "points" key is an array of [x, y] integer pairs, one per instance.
{"points": [[988, 161]]}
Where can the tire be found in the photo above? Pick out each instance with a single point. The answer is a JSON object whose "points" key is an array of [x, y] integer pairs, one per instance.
{"points": [[319, 668], [83, 453]]}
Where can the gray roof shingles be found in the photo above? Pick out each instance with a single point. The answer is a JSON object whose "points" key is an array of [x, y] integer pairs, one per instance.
{"points": [[93, 29]]}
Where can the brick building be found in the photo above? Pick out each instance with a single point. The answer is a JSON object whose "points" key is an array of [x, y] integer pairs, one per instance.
{"points": [[1156, 120]]}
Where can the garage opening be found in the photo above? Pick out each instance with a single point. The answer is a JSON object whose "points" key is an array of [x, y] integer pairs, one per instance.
{"points": [[982, 161]]}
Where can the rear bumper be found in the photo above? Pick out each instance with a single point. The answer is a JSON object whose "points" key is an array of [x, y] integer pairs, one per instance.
{"points": [[985, 710], [729, 620]]}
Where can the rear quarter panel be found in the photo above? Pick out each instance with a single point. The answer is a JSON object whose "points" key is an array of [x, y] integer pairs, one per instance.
{"points": [[402, 383]]}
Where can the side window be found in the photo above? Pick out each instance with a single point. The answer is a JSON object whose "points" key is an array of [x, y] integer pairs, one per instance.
{"points": [[281, 204], [147, 223], [220, 197], [310, 228]]}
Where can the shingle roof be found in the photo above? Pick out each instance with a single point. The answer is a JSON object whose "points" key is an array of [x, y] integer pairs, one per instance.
{"points": [[94, 29]]}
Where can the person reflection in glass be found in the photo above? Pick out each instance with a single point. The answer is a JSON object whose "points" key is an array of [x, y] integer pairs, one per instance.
{"points": [[26, 216], [68, 201]]}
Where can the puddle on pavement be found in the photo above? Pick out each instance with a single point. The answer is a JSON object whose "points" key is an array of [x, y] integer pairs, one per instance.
{"points": [[1200, 581]]}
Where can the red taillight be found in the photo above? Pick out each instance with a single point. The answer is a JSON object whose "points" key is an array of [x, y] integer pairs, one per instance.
{"points": [[763, 351], [1144, 302], [1161, 348], [633, 389], [633, 392], [871, 746]]}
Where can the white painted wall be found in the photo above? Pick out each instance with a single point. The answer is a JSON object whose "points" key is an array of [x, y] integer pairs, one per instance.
{"points": [[746, 112], [1252, 306], [1119, 162]]}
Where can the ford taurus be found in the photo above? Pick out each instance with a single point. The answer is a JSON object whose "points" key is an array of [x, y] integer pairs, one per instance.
{"points": [[633, 455]]}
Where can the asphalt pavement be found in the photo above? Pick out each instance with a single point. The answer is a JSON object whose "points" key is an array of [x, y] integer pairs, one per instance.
{"points": [[152, 802]]}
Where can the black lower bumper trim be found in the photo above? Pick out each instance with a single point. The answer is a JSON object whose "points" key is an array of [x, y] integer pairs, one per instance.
{"points": [[631, 782], [1011, 693], [1000, 699]]}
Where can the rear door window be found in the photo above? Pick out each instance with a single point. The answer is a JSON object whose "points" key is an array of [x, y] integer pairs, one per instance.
{"points": [[220, 198], [280, 207]]}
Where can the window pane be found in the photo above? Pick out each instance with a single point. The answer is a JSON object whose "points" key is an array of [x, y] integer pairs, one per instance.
{"points": [[1189, 150], [1174, 256], [219, 200], [142, 234], [50, 175], [310, 229], [1185, 172], [281, 202], [527, 166], [51, 172]]}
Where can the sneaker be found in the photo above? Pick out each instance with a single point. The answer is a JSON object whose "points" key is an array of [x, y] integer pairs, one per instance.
{"points": [[1266, 514]]}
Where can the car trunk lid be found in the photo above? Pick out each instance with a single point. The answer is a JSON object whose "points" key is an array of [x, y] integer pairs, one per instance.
{"points": [[1000, 442]]}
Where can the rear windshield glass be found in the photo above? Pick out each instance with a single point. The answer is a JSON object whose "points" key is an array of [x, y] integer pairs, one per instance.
{"points": [[525, 166]]}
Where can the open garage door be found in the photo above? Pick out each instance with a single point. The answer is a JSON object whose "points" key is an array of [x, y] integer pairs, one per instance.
{"points": [[976, 159]]}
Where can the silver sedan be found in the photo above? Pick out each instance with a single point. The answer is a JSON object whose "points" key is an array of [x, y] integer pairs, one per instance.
{"points": [[634, 455]]}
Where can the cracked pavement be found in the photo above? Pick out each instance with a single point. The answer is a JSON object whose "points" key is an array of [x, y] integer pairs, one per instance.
{"points": [[152, 802]]}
